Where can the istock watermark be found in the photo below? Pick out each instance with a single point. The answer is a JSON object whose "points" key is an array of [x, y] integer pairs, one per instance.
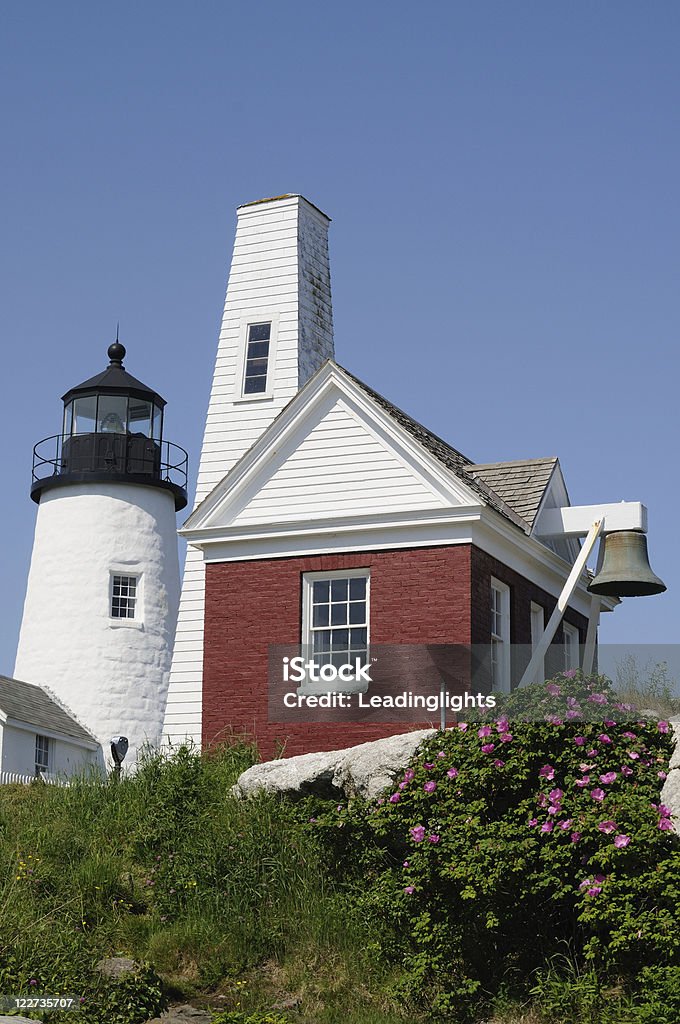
{"points": [[433, 684]]}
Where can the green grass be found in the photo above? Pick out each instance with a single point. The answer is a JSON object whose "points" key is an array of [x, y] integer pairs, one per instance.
{"points": [[229, 901]]}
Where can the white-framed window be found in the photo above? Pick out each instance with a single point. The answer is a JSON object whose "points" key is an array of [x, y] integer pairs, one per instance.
{"points": [[570, 643], [500, 636], [124, 596], [256, 360], [336, 617], [537, 613], [42, 754]]}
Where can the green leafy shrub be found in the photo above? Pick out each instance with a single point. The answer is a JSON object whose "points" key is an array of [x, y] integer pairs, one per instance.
{"points": [[508, 839]]}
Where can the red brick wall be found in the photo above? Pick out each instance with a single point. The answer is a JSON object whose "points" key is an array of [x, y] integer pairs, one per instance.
{"points": [[420, 595]]}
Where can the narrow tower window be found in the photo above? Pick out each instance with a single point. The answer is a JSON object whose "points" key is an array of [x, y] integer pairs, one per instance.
{"points": [[123, 597], [257, 359]]}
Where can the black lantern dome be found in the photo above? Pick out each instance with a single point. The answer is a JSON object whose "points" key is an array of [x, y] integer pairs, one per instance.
{"points": [[112, 432]]}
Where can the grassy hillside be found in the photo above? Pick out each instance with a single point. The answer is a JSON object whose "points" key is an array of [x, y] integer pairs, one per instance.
{"points": [[449, 900]]}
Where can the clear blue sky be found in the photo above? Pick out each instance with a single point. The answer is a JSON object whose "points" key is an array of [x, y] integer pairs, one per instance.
{"points": [[503, 182]]}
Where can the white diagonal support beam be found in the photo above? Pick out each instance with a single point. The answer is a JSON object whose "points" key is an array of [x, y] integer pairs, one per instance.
{"points": [[562, 603]]}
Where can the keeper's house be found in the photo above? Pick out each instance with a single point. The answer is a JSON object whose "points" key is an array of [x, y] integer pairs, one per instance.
{"points": [[325, 515]]}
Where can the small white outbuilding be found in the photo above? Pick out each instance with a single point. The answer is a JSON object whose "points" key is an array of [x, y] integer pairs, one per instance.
{"points": [[39, 736]]}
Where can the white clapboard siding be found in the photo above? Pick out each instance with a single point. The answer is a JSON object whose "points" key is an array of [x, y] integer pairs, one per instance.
{"points": [[339, 468], [280, 266]]}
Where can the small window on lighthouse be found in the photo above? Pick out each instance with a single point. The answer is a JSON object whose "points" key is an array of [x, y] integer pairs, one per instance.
{"points": [[123, 597], [257, 359]]}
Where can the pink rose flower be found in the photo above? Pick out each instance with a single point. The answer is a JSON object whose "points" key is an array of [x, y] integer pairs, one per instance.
{"points": [[625, 770], [434, 838], [633, 755], [608, 778], [597, 794], [662, 726], [430, 787], [409, 775], [661, 775], [428, 766], [555, 795], [417, 833], [575, 836], [409, 890], [629, 736], [607, 827], [547, 772], [452, 772], [579, 740], [553, 689], [533, 822], [585, 781], [547, 826], [597, 698], [506, 737], [665, 824], [484, 732], [621, 841], [488, 748], [394, 799], [499, 764], [463, 726], [603, 738], [570, 673]]}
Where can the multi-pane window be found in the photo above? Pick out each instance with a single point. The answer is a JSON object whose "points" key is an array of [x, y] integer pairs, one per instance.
{"points": [[338, 619], [123, 597], [257, 359], [42, 754], [500, 636]]}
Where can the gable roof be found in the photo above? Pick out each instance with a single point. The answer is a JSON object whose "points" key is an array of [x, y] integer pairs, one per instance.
{"points": [[454, 461], [521, 484], [32, 704]]}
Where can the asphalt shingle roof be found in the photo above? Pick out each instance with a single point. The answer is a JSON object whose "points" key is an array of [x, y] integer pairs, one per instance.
{"points": [[520, 484], [29, 703]]}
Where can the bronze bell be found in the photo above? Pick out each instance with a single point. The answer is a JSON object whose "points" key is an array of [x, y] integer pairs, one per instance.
{"points": [[625, 568]]}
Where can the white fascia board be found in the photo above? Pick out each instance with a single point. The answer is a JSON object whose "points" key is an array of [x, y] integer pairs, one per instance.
{"points": [[15, 723], [329, 378], [576, 520], [380, 532], [533, 560]]}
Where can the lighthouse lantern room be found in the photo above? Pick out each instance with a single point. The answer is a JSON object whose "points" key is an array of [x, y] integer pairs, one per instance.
{"points": [[103, 589]]}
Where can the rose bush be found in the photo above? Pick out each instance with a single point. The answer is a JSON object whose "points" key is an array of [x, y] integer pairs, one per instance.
{"points": [[510, 840]]}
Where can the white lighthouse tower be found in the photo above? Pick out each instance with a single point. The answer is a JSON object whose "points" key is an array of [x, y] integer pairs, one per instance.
{"points": [[103, 588]]}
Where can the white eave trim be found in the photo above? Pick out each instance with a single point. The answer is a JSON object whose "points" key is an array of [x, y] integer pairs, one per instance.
{"points": [[40, 730], [330, 377]]}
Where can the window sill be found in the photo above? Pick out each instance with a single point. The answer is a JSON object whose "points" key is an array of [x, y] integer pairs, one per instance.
{"points": [[125, 624], [320, 687], [243, 399]]}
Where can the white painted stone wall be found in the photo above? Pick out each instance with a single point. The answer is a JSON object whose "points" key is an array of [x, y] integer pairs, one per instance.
{"points": [[280, 271], [113, 673], [18, 752]]}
